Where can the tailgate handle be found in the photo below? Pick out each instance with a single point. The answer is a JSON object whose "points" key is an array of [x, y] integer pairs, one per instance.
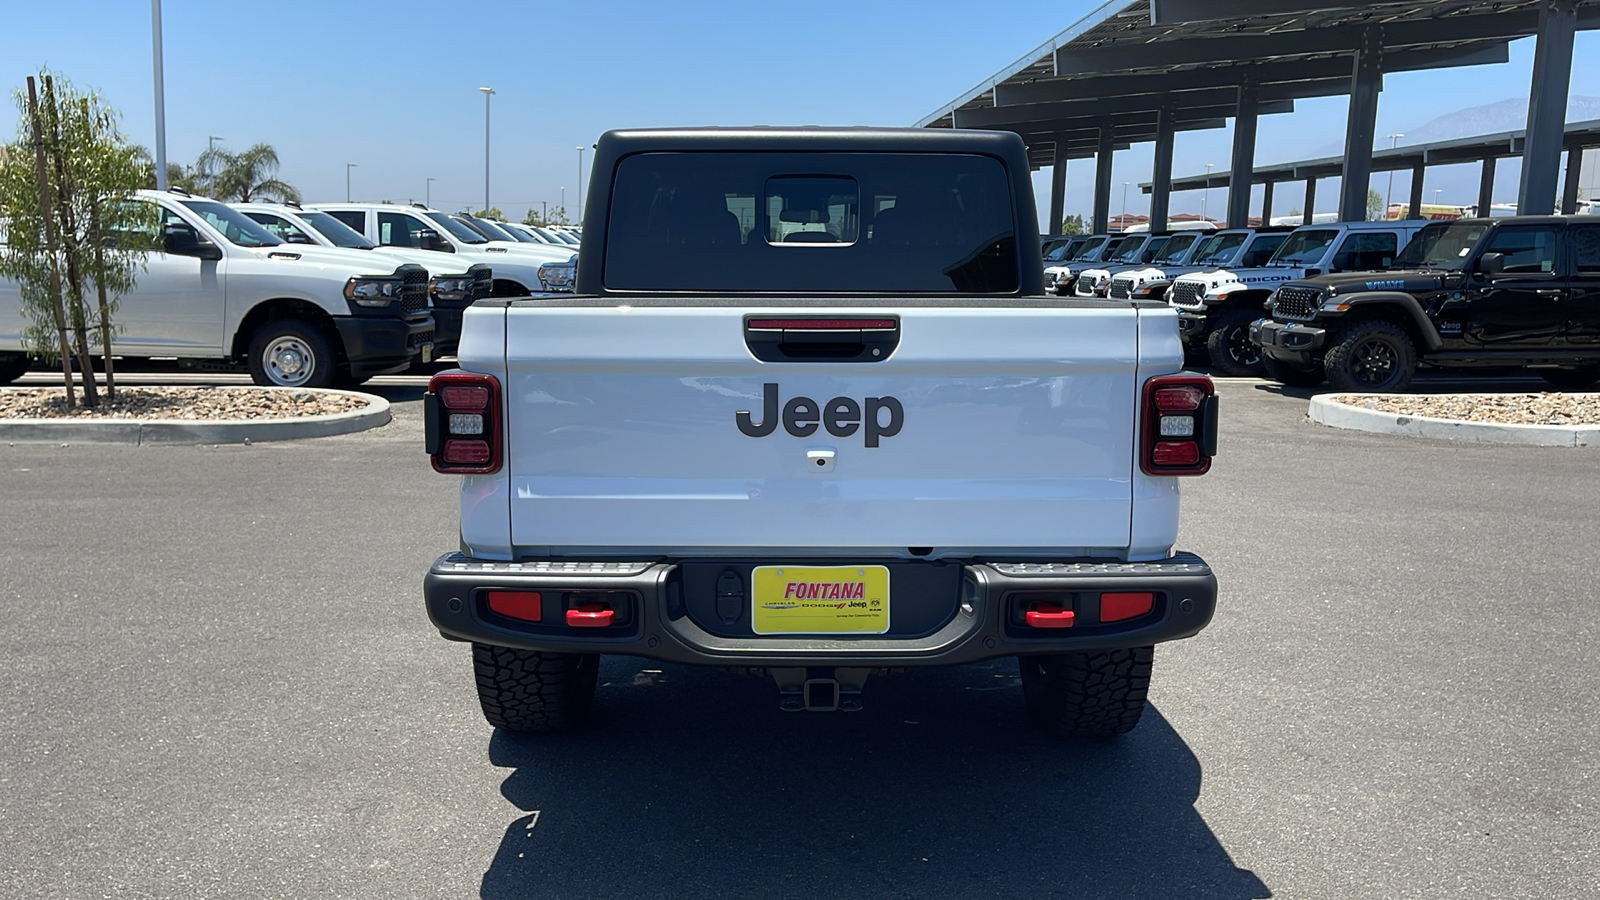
{"points": [[799, 339]]}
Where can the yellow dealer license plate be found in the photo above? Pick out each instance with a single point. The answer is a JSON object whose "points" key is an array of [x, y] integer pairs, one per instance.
{"points": [[820, 600]]}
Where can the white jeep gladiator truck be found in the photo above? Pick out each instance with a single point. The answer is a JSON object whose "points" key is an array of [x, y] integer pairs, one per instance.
{"points": [[817, 453], [215, 285]]}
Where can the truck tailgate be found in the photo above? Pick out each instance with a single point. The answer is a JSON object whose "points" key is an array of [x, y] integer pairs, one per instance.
{"points": [[1016, 433]]}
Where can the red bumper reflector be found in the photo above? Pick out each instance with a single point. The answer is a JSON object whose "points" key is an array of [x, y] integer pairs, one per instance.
{"points": [[466, 453], [1175, 453], [1116, 607], [590, 615], [524, 605], [1049, 615]]}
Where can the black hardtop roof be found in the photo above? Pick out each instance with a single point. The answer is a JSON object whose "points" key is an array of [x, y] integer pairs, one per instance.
{"points": [[856, 139]]}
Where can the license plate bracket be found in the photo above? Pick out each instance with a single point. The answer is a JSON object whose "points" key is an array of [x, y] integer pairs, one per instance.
{"points": [[819, 600]]}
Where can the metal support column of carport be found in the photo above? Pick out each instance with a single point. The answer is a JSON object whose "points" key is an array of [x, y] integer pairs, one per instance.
{"points": [[1547, 106], [1102, 179], [1366, 80], [1244, 155]]}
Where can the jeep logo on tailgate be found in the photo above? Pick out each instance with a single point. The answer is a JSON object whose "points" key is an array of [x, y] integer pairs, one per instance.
{"points": [[841, 416]]}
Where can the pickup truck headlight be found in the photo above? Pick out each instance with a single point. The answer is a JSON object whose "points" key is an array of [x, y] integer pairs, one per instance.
{"points": [[373, 291], [451, 287], [557, 276]]}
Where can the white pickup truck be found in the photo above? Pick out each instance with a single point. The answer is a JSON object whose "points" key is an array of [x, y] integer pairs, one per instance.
{"points": [[519, 269], [818, 453], [449, 291], [216, 285]]}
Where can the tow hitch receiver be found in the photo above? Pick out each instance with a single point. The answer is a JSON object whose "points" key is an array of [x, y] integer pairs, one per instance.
{"points": [[819, 689]]}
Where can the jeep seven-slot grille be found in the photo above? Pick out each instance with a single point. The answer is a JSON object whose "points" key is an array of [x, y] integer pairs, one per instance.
{"points": [[1187, 294], [414, 293], [1084, 287], [1296, 302], [1120, 288]]}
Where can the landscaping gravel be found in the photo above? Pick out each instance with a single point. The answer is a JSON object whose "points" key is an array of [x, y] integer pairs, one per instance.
{"points": [[1518, 409], [203, 404]]}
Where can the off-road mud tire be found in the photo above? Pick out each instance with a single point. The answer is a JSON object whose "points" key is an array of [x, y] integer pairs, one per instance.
{"points": [[1096, 693], [531, 691], [1229, 345], [1364, 351]]}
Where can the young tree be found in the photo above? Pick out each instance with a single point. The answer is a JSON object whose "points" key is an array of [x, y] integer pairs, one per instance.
{"points": [[1375, 208], [1072, 225], [243, 177], [493, 213], [69, 228]]}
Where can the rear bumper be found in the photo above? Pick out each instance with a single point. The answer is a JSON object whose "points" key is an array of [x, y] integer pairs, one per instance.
{"points": [[1289, 342], [983, 622]]}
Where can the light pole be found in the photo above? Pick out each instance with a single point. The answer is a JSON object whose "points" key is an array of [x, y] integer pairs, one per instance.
{"points": [[161, 96], [580, 184], [427, 194], [1436, 193], [211, 142], [544, 206], [1124, 207], [347, 168], [487, 92], [1394, 139], [1205, 197], [563, 201]]}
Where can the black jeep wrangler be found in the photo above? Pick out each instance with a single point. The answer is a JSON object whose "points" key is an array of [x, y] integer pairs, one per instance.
{"points": [[1472, 293]]}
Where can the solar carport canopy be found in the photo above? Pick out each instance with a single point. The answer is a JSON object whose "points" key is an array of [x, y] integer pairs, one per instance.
{"points": [[1128, 72]]}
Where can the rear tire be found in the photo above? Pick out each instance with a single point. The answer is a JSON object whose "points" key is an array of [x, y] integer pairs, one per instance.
{"points": [[1098, 693], [1371, 356], [1567, 379], [292, 353], [1230, 347], [12, 366], [531, 691], [1288, 375]]}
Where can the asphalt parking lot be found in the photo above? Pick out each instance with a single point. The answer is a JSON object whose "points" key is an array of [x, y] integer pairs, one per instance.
{"points": [[219, 682]]}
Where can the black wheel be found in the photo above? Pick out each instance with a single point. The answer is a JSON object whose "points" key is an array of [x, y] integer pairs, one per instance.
{"points": [[1230, 347], [12, 365], [1371, 356], [531, 691], [292, 353], [1579, 379], [1283, 373], [1098, 693]]}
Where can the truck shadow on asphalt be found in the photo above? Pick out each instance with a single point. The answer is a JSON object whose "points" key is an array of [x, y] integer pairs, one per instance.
{"points": [[692, 783]]}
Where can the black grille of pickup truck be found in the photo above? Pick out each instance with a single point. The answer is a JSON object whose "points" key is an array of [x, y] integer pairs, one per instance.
{"points": [[1187, 294], [482, 284], [414, 293], [1120, 288], [1296, 302], [417, 340]]}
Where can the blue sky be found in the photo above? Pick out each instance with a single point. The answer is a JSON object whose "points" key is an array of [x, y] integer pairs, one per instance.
{"points": [[393, 86]]}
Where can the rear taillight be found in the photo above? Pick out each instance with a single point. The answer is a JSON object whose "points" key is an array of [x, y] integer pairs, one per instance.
{"points": [[1179, 432], [462, 421]]}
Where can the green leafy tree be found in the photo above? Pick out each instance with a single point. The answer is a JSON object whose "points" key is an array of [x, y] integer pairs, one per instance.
{"points": [[1375, 208], [493, 213], [88, 239], [243, 177], [1072, 225], [555, 215]]}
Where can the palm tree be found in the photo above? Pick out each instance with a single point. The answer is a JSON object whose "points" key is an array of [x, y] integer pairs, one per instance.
{"points": [[243, 176]]}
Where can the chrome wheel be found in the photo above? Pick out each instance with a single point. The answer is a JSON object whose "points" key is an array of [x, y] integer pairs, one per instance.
{"points": [[289, 361]]}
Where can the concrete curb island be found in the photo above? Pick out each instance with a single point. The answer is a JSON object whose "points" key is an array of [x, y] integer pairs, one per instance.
{"points": [[199, 431], [1343, 415]]}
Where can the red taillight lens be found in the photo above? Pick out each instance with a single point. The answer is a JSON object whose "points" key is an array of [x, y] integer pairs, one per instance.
{"points": [[466, 453], [1178, 433], [1174, 399], [463, 420], [525, 605], [464, 396]]}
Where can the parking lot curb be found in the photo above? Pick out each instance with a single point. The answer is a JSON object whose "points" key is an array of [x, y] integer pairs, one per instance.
{"points": [[1329, 412], [186, 431]]}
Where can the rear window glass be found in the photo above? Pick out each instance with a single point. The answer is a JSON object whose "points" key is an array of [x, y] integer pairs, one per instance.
{"points": [[812, 222]]}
